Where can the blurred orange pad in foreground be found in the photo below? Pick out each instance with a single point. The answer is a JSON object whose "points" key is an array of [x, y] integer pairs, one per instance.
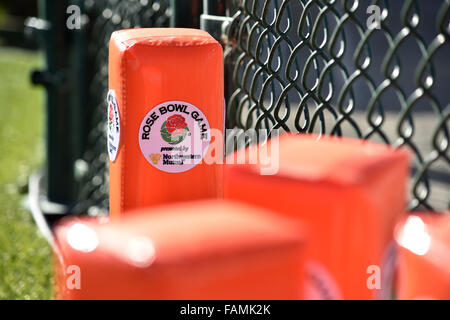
{"points": [[348, 192], [167, 85], [199, 250], [424, 256]]}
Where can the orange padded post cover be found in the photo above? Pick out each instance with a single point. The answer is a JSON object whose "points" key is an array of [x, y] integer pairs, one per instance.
{"points": [[349, 193], [210, 249], [166, 94], [424, 257]]}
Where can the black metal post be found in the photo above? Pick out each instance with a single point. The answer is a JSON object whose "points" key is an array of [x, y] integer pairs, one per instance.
{"points": [[185, 13], [61, 149]]}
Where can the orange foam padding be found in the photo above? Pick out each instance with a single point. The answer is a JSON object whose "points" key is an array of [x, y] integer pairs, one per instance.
{"points": [[424, 257], [349, 193], [148, 67], [210, 249]]}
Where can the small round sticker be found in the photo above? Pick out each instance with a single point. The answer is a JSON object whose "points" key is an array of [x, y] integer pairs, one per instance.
{"points": [[113, 126], [174, 136]]}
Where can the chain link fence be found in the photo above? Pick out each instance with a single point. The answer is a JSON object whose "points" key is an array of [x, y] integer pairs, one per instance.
{"points": [[306, 66], [311, 66]]}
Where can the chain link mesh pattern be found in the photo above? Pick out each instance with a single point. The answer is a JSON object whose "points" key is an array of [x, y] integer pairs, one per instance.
{"points": [[106, 16], [315, 66], [309, 66]]}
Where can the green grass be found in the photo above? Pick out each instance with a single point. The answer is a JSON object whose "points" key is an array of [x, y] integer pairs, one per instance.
{"points": [[25, 256]]}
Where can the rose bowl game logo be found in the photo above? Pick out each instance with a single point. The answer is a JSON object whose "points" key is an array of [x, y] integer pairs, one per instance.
{"points": [[174, 130], [174, 136], [113, 127]]}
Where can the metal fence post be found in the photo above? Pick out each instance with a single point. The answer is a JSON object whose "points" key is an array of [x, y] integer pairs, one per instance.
{"points": [[60, 146], [185, 13], [214, 19], [78, 101]]}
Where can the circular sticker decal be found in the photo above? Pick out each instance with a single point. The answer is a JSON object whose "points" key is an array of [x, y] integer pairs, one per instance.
{"points": [[174, 136], [113, 125]]}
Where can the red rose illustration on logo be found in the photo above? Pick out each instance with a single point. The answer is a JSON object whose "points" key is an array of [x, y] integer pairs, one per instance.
{"points": [[113, 125], [174, 129], [110, 116], [175, 124]]}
